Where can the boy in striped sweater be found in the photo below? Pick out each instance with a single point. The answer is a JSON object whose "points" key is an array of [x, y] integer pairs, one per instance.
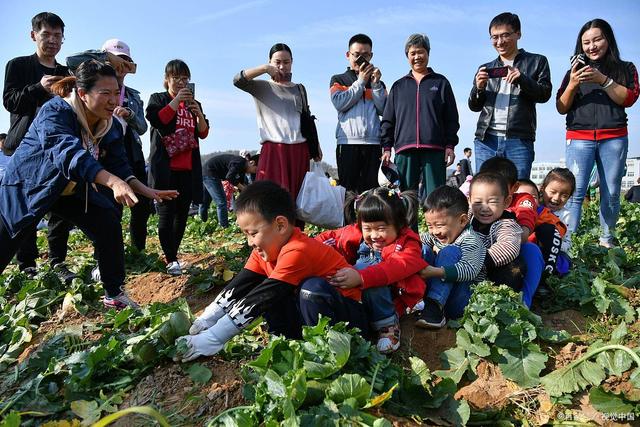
{"points": [[455, 255], [497, 227]]}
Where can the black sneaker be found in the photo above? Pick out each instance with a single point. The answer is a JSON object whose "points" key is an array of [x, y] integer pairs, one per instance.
{"points": [[432, 316], [64, 274], [31, 272]]}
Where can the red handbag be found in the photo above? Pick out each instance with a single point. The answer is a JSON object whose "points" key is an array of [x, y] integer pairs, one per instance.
{"points": [[179, 141]]}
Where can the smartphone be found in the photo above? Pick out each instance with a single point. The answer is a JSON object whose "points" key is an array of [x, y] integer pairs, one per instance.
{"points": [[579, 59], [497, 72], [286, 77], [61, 70], [362, 62], [192, 88]]}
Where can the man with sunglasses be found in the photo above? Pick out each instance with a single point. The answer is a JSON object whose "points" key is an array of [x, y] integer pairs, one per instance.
{"points": [[359, 96], [505, 92], [27, 86]]}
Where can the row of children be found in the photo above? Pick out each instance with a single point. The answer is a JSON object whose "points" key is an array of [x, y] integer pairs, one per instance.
{"points": [[375, 270]]}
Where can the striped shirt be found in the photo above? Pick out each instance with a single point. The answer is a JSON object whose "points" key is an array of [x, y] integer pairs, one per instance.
{"points": [[502, 239], [469, 268]]}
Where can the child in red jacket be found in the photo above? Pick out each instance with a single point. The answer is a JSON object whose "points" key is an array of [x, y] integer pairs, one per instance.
{"points": [[386, 255]]}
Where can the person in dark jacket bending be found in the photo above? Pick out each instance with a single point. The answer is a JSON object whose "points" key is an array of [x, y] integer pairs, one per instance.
{"points": [[72, 163], [177, 122], [420, 121]]}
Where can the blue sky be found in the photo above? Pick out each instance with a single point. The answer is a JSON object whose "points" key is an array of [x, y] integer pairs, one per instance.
{"points": [[219, 38]]}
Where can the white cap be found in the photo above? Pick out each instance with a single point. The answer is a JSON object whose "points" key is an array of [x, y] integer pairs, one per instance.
{"points": [[117, 47]]}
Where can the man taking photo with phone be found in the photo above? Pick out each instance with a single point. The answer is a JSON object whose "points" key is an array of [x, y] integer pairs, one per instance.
{"points": [[359, 96], [27, 86], [505, 92]]}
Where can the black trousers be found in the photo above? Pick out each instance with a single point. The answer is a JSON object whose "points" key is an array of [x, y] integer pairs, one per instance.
{"points": [[57, 237], [140, 212], [549, 240], [173, 214], [100, 225], [358, 166]]}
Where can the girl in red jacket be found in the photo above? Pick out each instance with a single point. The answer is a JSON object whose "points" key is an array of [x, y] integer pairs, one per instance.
{"points": [[386, 255]]}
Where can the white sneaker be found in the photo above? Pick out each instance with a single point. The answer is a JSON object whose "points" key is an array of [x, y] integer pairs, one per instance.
{"points": [[174, 268], [95, 274]]}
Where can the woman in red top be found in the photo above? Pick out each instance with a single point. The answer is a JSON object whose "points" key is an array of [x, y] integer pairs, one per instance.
{"points": [[177, 122]]}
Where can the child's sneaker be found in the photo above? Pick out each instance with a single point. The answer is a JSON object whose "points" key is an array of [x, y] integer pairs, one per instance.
{"points": [[119, 302], [389, 339], [432, 316], [174, 268]]}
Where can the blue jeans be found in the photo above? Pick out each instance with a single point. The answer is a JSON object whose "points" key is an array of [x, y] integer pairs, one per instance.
{"points": [[215, 189], [610, 157], [532, 256], [378, 302], [317, 297], [452, 296], [519, 151]]}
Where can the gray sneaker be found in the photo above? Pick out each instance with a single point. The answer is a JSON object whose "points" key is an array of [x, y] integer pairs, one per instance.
{"points": [[120, 302]]}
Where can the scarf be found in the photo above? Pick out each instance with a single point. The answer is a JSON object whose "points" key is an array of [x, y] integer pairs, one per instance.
{"points": [[90, 140]]}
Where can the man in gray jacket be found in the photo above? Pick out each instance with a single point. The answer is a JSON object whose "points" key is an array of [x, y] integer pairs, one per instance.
{"points": [[359, 96]]}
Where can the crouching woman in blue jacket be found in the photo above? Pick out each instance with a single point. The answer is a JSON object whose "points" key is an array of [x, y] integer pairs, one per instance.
{"points": [[72, 162]]}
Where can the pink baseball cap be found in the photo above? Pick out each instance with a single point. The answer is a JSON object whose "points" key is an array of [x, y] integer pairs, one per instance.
{"points": [[117, 47]]}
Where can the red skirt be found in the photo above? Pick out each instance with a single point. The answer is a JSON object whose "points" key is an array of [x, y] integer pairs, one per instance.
{"points": [[284, 164]]}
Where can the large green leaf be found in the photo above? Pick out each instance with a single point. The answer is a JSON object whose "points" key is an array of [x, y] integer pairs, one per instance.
{"points": [[524, 366], [610, 403], [573, 377], [472, 345], [349, 386], [455, 364], [199, 373]]}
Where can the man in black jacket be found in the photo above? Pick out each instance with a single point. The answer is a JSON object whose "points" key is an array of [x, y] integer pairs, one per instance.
{"points": [[633, 194], [506, 91], [27, 86]]}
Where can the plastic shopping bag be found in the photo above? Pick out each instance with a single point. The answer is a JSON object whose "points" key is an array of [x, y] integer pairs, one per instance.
{"points": [[319, 202]]}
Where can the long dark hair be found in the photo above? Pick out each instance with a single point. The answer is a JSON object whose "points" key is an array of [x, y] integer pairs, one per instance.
{"points": [[611, 64]]}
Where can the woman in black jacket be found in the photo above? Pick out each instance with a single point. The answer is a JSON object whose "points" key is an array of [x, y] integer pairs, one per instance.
{"points": [[594, 95], [177, 123]]}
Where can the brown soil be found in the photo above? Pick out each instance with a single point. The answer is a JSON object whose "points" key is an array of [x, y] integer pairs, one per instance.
{"points": [[568, 354], [426, 344], [169, 389], [490, 390], [571, 321]]}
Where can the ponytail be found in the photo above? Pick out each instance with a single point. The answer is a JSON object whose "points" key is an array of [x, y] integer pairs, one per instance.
{"points": [[387, 205], [64, 87]]}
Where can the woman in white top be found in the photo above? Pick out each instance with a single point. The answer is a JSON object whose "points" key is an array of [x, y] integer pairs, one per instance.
{"points": [[284, 157]]}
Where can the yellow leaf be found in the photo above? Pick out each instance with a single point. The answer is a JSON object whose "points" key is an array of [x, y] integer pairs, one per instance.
{"points": [[227, 275]]}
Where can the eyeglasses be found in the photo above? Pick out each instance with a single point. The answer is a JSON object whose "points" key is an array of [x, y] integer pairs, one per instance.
{"points": [[503, 36], [183, 79]]}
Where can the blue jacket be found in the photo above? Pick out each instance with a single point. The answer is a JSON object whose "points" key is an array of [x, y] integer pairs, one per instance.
{"points": [[50, 155], [420, 114]]}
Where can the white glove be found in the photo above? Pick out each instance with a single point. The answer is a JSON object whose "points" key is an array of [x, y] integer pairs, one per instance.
{"points": [[209, 341], [207, 319]]}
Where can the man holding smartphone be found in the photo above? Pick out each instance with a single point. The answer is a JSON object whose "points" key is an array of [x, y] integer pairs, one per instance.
{"points": [[505, 92], [359, 95], [27, 86]]}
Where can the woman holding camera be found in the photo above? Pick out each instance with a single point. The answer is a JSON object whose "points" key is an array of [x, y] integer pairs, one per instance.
{"points": [[177, 123], [284, 156], [594, 95], [72, 163]]}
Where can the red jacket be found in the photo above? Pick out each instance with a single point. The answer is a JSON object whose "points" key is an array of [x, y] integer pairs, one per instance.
{"points": [[545, 216], [524, 206], [399, 267]]}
